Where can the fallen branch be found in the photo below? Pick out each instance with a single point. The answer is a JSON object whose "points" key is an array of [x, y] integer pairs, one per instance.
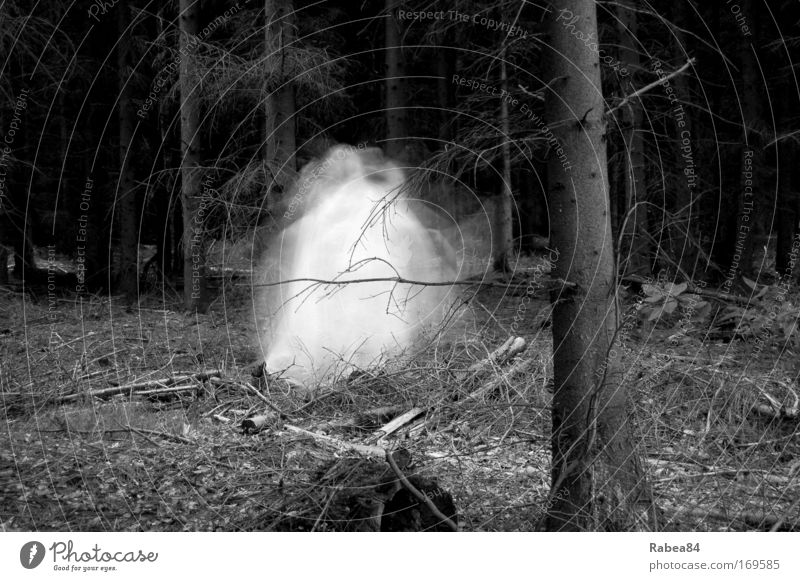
{"points": [[370, 451], [513, 346], [370, 417], [696, 290], [167, 390], [131, 388], [396, 424], [497, 381]]}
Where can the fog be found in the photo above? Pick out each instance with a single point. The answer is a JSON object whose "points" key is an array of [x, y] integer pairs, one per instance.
{"points": [[350, 220]]}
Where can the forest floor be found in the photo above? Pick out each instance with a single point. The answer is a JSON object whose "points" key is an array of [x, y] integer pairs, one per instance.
{"points": [[163, 447]]}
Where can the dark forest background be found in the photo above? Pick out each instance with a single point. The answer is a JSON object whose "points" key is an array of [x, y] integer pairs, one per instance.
{"points": [[95, 89]]}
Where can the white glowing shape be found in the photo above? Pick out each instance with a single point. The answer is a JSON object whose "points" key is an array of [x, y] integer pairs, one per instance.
{"points": [[357, 228]]}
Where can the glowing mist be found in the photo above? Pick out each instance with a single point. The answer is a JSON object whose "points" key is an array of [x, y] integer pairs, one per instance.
{"points": [[355, 225]]}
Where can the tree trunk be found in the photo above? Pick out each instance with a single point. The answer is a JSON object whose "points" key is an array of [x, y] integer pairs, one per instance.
{"points": [[788, 210], [752, 211], [126, 206], [635, 248], [396, 130], [788, 207], [194, 251], [688, 231], [503, 228], [597, 480], [280, 103], [445, 94]]}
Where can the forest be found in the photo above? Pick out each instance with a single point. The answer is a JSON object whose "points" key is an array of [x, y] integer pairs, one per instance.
{"points": [[399, 265]]}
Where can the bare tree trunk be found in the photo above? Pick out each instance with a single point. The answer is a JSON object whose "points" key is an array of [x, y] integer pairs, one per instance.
{"points": [[503, 229], [788, 210], [194, 250], [752, 208], [597, 480], [280, 104], [686, 206], [126, 195], [635, 247], [396, 130], [444, 90]]}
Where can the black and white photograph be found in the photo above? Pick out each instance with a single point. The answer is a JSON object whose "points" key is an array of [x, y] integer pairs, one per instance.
{"points": [[306, 266]]}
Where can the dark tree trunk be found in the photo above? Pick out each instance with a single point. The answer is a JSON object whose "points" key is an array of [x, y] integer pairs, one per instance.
{"points": [[752, 209], [503, 228], [194, 248], [126, 206], [687, 232], [788, 210], [635, 256], [396, 130], [280, 126], [597, 480], [445, 94]]}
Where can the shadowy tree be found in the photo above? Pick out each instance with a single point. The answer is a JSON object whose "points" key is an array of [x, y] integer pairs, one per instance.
{"points": [[594, 456]]}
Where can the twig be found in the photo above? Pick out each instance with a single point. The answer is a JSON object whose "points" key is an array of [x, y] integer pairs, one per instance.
{"points": [[167, 390], [557, 283], [652, 85], [358, 420], [417, 494], [247, 387], [132, 388]]}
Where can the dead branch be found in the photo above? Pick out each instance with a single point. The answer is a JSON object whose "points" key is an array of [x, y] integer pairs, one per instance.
{"points": [[652, 85], [396, 424], [370, 451], [249, 388], [372, 416], [696, 290], [513, 346], [518, 367], [131, 388], [167, 390], [555, 283]]}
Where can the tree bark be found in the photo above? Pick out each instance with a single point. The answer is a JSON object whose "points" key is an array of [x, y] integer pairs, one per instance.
{"points": [[687, 208], [126, 206], [635, 247], [597, 480], [280, 103], [396, 130], [752, 211], [788, 209], [445, 94], [503, 229], [194, 251]]}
